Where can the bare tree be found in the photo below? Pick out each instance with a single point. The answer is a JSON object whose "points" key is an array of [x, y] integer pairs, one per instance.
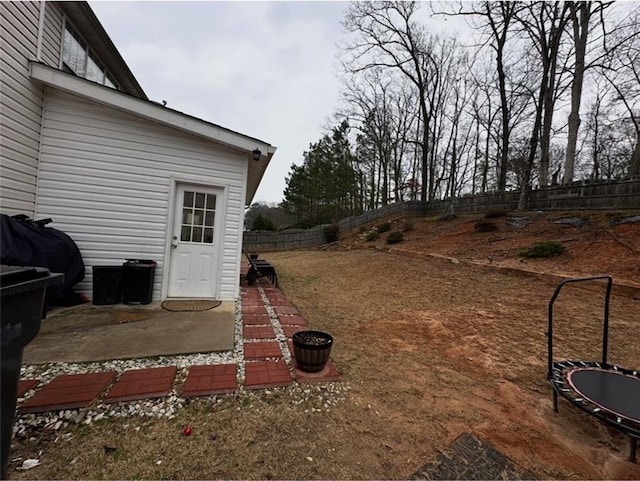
{"points": [[545, 24], [581, 14], [623, 73], [387, 36]]}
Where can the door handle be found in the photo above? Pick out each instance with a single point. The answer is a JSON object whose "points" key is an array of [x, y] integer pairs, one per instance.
{"points": [[174, 244]]}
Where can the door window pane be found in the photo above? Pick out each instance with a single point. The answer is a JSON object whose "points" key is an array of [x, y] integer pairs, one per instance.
{"points": [[187, 216], [208, 236], [198, 217]]}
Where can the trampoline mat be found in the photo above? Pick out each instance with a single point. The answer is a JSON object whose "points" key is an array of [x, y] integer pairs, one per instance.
{"points": [[612, 391]]}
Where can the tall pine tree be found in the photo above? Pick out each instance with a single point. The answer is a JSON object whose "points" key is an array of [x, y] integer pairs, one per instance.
{"points": [[325, 187]]}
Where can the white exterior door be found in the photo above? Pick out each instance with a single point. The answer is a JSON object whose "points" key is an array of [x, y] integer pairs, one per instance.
{"points": [[193, 268]]}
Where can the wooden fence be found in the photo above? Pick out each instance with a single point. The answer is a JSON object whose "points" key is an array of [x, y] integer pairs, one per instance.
{"points": [[610, 195]]}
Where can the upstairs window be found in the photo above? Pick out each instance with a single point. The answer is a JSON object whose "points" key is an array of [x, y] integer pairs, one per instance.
{"points": [[78, 59]]}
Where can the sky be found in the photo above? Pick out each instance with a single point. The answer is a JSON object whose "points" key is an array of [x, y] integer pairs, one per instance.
{"points": [[264, 69]]}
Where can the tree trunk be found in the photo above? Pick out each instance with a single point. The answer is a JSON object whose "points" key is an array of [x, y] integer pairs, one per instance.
{"points": [[580, 33], [634, 168]]}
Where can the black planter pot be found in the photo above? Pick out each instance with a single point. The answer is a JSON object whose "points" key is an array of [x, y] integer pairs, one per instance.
{"points": [[311, 350]]}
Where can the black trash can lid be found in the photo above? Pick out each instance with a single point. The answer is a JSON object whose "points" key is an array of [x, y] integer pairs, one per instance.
{"points": [[139, 263], [11, 275], [17, 279]]}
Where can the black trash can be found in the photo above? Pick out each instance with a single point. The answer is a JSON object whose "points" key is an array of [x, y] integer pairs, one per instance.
{"points": [[107, 285], [137, 281], [22, 307]]}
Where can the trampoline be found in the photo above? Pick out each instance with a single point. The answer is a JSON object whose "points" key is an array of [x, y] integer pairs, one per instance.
{"points": [[608, 392]]}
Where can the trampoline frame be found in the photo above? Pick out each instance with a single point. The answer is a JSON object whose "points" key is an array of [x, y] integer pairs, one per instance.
{"points": [[557, 373]]}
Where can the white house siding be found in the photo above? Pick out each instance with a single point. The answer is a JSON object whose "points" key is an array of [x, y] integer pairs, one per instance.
{"points": [[52, 36], [21, 100], [105, 180], [21, 106]]}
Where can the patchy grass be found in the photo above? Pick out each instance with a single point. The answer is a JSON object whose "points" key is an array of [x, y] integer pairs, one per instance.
{"points": [[543, 249], [428, 349]]}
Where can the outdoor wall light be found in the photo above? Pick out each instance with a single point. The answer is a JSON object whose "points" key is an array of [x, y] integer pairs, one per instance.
{"points": [[256, 154]]}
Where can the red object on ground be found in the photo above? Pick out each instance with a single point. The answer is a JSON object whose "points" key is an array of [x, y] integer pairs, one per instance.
{"points": [[187, 431]]}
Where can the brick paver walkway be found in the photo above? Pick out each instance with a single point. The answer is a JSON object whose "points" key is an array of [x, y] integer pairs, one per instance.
{"points": [[264, 374], [207, 380], [25, 385], [256, 351], [258, 332], [68, 391], [142, 384], [265, 365]]}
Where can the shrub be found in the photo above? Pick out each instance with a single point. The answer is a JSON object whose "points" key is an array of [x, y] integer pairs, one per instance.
{"points": [[492, 214], [331, 233], [263, 223], [485, 226], [386, 227], [373, 235], [395, 237], [543, 249], [407, 226]]}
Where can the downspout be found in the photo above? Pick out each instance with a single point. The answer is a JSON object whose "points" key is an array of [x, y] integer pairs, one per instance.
{"points": [[43, 6]]}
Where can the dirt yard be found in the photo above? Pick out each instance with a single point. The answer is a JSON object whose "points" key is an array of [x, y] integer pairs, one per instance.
{"points": [[428, 347]]}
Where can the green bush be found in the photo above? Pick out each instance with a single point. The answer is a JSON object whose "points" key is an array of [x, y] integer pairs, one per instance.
{"points": [[492, 214], [395, 237], [263, 223], [373, 235], [543, 249], [386, 227], [331, 233], [485, 226], [407, 226]]}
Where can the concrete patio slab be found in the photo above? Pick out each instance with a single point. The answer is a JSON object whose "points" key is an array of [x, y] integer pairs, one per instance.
{"points": [[89, 333]]}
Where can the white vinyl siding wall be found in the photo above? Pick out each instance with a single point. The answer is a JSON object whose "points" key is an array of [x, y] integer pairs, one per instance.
{"points": [[21, 100], [52, 36], [105, 179], [21, 106]]}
